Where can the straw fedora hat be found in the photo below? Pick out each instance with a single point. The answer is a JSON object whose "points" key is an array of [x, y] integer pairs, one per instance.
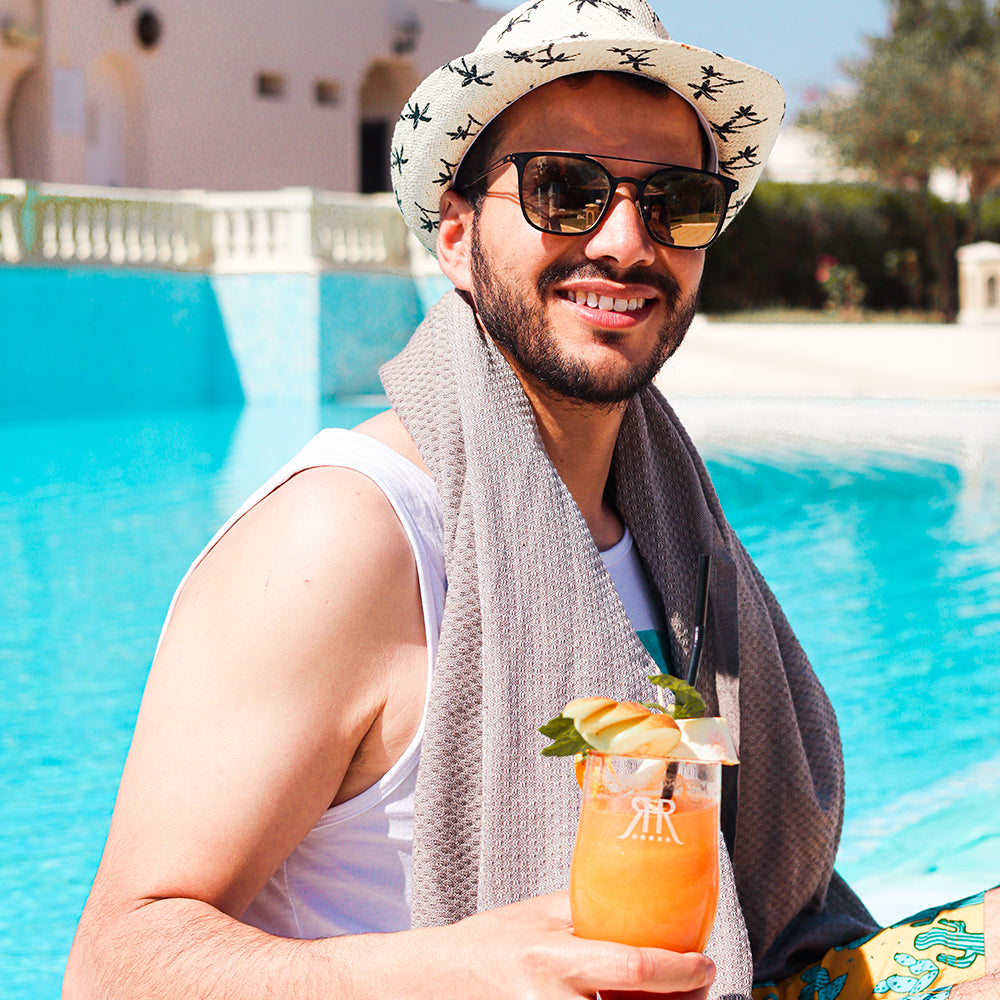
{"points": [[543, 40]]}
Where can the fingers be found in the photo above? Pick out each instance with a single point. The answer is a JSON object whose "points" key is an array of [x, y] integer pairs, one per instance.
{"points": [[620, 971], [701, 994], [529, 949]]}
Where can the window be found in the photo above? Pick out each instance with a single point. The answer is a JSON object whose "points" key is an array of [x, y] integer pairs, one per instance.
{"points": [[326, 92], [149, 28], [271, 85], [991, 292]]}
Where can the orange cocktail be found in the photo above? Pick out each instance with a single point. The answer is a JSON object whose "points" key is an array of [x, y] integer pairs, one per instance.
{"points": [[646, 863]]}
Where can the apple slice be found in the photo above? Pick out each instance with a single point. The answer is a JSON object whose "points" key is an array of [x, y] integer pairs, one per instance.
{"points": [[580, 708], [654, 736], [606, 718]]}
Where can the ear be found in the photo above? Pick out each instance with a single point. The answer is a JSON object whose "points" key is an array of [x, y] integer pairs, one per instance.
{"points": [[454, 240]]}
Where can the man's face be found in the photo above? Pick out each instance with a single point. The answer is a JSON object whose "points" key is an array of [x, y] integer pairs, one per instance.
{"points": [[531, 289]]}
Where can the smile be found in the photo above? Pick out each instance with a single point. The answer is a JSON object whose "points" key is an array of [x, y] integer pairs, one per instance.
{"points": [[604, 302]]}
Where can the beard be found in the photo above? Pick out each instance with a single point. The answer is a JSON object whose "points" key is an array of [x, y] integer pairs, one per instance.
{"points": [[520, 327]]}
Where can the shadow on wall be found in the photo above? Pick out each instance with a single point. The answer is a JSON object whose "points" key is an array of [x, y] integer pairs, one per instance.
{"points": [[87, 341]]}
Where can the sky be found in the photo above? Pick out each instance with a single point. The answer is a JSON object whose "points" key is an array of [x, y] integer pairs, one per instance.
{"points": [[802, 43]]}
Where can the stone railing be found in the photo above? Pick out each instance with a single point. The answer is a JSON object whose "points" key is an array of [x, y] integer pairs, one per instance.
{"points": [[294, 229]]}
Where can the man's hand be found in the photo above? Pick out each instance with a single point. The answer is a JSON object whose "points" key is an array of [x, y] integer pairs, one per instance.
{"points": [[528, 950]]}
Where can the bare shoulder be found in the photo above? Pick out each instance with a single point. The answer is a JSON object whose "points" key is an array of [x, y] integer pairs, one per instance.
{"points": [[272, 692], [324, 515], [309, 587], [318, 556]]}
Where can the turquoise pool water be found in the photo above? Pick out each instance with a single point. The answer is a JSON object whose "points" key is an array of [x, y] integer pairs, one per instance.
{"points": [[888, 566]]}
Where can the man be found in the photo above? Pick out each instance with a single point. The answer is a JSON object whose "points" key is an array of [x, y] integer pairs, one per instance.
{"points": [[261, 840]]}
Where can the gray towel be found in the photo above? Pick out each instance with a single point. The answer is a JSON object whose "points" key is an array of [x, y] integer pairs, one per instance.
{"points": [[532, 619]]}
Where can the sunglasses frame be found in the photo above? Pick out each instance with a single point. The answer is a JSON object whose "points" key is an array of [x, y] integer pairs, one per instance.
{"points": [[521, 159]]}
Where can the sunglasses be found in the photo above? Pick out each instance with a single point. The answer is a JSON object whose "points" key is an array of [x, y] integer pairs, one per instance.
{"points": [[569, 194]]}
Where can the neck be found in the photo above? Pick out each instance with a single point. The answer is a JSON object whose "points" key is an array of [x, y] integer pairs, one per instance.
{"points": [[580, 441]]}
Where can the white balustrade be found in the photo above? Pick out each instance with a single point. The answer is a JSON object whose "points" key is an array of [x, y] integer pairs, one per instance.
{"points": [[12, 196], [294, 229], [359, 230]]}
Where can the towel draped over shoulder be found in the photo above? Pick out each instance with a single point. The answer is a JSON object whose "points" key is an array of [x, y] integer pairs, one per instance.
{"points": [[532, 620]]}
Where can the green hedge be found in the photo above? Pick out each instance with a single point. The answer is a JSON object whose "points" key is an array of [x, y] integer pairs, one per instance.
{"points": [[900, 244]]}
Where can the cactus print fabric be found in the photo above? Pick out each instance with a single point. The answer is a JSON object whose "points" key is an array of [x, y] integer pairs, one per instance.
{"points": [[920, 958]]}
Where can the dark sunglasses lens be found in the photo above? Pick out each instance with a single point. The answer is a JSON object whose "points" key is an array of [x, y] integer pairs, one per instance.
{"points": [[563, 195], [684, 208]]}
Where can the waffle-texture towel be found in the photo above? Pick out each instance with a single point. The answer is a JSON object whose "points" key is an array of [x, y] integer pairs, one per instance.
{"points": [[532, 619]]}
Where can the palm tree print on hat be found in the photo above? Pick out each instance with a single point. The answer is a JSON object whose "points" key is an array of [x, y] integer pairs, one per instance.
{"points": [[622, 12], [743, 160], [416, 114], [444, 176], [540, 57], [523, 18], [712, 83], [463, 132], [470, 74]]}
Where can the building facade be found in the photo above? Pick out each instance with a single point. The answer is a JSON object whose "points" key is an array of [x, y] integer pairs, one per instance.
{"points": [[219, 95]]}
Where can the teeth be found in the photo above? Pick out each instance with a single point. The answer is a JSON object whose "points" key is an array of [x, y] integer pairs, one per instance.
{"points": [[606, 302]]}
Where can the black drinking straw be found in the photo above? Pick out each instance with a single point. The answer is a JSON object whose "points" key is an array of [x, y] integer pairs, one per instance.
{"points": [[700, 616], [697, 644]]}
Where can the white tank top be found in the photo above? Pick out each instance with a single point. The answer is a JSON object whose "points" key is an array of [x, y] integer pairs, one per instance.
{"points": [[352, 872]]}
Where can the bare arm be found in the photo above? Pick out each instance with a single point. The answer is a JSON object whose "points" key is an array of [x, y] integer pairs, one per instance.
{"points": [[181, 948], [293, 645]]}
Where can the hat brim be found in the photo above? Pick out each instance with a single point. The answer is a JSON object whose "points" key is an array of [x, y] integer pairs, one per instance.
{"points": [[744, 107]]}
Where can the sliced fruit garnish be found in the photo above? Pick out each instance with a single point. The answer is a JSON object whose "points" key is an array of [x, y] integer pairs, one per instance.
{"points": [[580, 708], [609, 717], [627, 728], [653, 736]]}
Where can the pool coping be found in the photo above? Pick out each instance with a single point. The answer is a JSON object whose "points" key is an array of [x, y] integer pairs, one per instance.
{"points": [[836, 360]]}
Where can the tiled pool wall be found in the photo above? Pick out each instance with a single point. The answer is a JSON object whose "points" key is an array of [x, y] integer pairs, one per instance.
{"points": [[92, 340]]}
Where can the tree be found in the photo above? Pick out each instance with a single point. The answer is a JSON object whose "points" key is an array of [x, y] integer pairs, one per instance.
{"points": [[926, 96]]}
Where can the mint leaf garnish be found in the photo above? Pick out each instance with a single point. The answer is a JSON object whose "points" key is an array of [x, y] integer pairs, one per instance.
{"points": [[566, 739], [688, 704]]}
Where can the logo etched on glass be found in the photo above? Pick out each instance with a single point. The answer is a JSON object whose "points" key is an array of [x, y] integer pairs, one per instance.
{"points": [[652, 821]]}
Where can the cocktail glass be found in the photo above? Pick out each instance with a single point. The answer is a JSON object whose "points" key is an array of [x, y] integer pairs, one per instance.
{"points": [[646, 863]]}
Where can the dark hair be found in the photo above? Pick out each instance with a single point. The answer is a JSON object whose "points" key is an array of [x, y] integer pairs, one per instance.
{"points": [[486, 147]]}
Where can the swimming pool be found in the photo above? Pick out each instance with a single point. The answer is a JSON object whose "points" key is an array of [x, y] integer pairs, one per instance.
{"points": [[887, 563]]}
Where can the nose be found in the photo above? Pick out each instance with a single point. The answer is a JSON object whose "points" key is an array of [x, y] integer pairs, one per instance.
{"points": [[622, 235]]}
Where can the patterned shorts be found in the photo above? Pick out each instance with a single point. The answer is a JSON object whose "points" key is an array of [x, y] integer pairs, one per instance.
{"points": [[920, 958]]}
